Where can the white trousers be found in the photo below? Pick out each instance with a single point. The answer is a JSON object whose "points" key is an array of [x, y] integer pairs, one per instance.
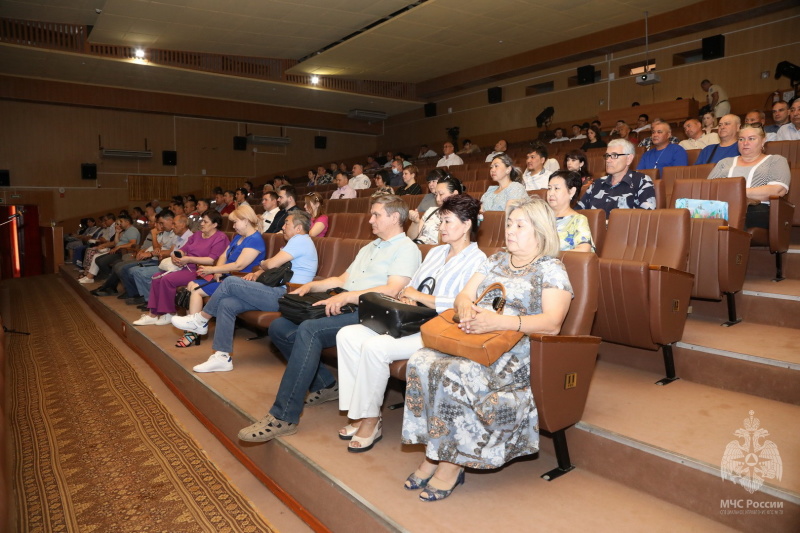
{"points": [[364, 358]]}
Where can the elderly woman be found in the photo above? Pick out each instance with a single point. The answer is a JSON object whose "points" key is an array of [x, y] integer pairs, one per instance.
{"points": [[766, 175], [410, 185], [424, 228], [364, 355], [203, 248], [573, 227], [575, 160], [315, 206], [480, 416], [246, 251], [509, 184]]}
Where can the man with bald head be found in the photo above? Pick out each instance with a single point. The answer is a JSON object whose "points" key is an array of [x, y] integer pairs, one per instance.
{"points": [[728, 147], [755, 117], [663, 153], [449, 159], [500, 148], [696, 138]]}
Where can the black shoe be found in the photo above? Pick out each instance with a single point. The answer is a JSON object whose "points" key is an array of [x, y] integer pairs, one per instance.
{"points": [[104, 292], [123, 296], [143, 307], [138, 300]]}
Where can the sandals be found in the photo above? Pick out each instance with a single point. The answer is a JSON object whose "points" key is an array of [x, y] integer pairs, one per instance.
{"points": [[414, 482], [366, 443], [347, 432], [432, 494], [267, 429], [323, 395], [189, 338]]}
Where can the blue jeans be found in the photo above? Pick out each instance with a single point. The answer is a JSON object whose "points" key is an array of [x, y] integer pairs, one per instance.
{"points": [[125, 273], [302, 346], [235, 296], [143, 278]]}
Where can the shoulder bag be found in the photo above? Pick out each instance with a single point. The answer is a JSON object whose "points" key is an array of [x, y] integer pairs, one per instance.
{"points": [[275, 277], [389, 316], [443, 334], [301, 308]]}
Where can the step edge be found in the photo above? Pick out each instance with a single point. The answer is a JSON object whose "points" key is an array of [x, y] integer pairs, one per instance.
{"points": [[684, 460], [740, 356]]}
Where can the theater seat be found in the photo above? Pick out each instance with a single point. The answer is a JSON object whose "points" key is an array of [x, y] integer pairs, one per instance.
{"points": [[349, 225], [644, 286], [597, 225], [671, 174], [777, 238], [719, 249], [491, 232], [788, 149]]}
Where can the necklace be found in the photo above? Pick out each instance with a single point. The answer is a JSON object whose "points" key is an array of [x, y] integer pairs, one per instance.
{"points": [[515, 267]]}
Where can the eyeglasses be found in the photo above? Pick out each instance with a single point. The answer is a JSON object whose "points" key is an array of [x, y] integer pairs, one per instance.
{"points": [[613, 155]]}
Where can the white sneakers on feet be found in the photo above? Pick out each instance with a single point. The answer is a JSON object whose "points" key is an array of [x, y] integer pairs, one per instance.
{"points": [[194, 323], [147, 320], [85, 280], [218, 362]]}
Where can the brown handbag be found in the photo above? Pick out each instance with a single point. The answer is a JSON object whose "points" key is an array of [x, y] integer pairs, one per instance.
{"points": [[443, 334]]}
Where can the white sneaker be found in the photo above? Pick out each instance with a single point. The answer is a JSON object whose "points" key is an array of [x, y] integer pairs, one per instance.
{"points": [[194, 323], [218, 362], [147, 320], [84, 280], [164, 319]]}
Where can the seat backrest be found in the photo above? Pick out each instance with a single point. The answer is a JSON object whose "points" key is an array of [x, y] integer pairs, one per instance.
{"points": [[794, 194], [730, 190], [478, 186], [597, 225], [788, 149], [671, 174], [359, 205], [336, 206], [691, 156], [348, 226], [656, 237], [273, 242], [492, 232], [584, 275], [327, 248]]}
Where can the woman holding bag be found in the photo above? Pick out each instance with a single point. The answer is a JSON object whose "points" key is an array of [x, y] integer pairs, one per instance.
{"points": [[468, 414], [364, 355]]}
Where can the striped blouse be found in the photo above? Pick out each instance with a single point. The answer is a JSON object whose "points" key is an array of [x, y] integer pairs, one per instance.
{"points": [[451, 276]]}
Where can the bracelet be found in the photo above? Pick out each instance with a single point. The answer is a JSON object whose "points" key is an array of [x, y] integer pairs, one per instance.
{"points": [[519, 326]]}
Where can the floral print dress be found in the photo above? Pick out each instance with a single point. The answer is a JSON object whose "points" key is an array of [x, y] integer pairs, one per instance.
{"points": [[482, 416]]}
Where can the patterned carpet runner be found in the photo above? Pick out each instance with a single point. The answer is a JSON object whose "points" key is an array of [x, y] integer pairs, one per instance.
{"points": [[95, 449]]}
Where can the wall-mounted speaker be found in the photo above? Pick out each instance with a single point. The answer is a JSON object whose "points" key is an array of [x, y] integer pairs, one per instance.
{"points": [[169, 158], [494, 95], [320, 142], [713, 47], [430, 109], [5, 178], [586, 75], [240, 143], [88, 171]]}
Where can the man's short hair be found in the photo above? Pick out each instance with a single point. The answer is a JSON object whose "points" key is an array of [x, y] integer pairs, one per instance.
{"points": [[230, 192], [538, 149], [761, 114], [392, 204], [780, 102], [624, 144], [165, 213], [126, 217], [111, 216], [659, 121], [301, 218], [645, 116], [290, 191], [271, 194]]}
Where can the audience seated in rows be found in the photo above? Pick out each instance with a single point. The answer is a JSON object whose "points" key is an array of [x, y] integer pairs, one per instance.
{"points": [[573, 228], [509, 184], [287, 201], [359, 180], [344, 190], [500, 147], [410, 185], [269, 202], [449, 159], [593, 139], [100, 258], [314, 205], [696, 138], [780, 116], [727, 147], [469, 148], [429, 200], [559, 136], [424, 228], [791, 130], [575, 160], [663, 152], [535, 175]]}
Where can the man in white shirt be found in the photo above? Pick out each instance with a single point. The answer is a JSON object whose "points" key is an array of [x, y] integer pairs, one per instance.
{"points": [[642, 123], [717, 98], [536, 176], [791, 131], [499, 148], [359, 180], [780, 116], [424, 152], [576, 133], [389, 159], [344, 191], [269, 201], [755, 117], [559, 136], [450, 159], [695, 138]]}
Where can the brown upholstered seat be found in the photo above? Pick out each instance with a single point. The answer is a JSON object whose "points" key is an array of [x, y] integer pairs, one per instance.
{"points": [[670, 174], [644, 286], [491, 232], [788, 149], [597, 225], [719, 249], [359, 205], [777, 238], [349, 225]]}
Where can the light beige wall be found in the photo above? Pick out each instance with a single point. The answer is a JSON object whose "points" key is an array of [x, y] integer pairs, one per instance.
{"points": [[750, 48]]}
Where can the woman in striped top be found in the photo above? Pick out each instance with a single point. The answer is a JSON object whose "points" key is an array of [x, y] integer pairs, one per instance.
{"points": [[364, 355]]}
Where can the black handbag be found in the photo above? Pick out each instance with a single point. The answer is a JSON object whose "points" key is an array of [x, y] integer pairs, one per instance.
{"points": [[275, 277], [183, 295], [301, 308], [389, 316]]}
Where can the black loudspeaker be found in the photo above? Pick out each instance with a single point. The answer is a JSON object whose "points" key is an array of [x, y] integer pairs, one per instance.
{"points": [[495, 95], [586, 75], [240, 143], [713, 47], [430, 109], [320, 142], [88, 171], [5, 178], [169, 158]]}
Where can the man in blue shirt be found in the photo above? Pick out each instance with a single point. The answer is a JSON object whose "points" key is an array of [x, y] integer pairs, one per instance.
{"points": [[663, 154], [728, 142], [386, 265]]}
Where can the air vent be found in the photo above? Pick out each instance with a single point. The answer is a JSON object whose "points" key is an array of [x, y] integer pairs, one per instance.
{"points": [[126, 154], [363, 114], [263, 139]]}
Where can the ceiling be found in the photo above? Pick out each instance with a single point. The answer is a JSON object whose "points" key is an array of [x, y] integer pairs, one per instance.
{"points": [[429, 40]]}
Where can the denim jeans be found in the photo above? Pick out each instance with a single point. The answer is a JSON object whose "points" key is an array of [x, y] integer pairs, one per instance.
{"points": [[125, 273], [235, 296], [142, 278], [302, 346]]}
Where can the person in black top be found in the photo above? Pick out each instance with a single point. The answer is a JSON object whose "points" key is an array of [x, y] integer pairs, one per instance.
{"points": [[593, 139], [410, 185]]}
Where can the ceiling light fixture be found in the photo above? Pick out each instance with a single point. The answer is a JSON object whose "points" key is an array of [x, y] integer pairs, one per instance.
{"points": [[314, 80]]}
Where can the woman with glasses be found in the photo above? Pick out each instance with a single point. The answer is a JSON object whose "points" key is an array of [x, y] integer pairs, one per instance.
{"points": [[621, 187], [315, 206]]}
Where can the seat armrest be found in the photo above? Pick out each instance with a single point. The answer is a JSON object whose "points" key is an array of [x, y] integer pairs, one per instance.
{"points": [[734, 253], [670, 290], [561, 372], [781, 212]]}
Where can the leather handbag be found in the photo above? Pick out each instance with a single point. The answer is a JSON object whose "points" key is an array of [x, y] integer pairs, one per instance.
{"points": [[183, 295], [275, 277], [443, 334], [389, 316], [298, 308]]}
